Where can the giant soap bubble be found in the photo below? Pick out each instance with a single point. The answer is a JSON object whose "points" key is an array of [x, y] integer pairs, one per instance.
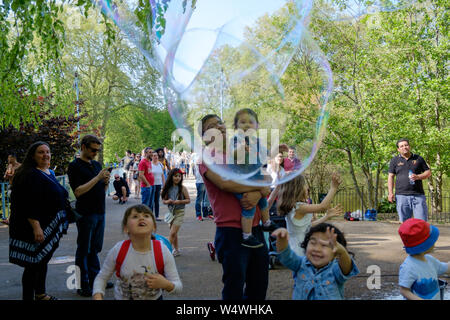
{"points": [[219, 57]]}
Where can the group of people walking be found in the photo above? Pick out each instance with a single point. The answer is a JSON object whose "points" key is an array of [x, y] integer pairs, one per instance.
{"points": [[315, 250]]}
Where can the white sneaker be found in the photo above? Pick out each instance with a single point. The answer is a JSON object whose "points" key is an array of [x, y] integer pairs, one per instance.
{"points": [[175, 252]]}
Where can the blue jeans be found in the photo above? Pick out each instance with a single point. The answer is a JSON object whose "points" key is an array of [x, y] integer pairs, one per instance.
{"points": [[262, 203], [91, 229], [148, 196], [407, 205], [245, 270], [157, 194], [200, 208]]}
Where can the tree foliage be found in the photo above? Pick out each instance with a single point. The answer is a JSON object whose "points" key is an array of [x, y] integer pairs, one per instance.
{"points": [[58, 132]]}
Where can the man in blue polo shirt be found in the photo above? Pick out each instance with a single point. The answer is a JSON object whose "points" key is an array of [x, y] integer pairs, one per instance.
{"points": [[89, 184], [408, 170]]}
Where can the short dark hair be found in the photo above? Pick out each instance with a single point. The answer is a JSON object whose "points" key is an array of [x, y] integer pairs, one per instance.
{"points": [[247, 111], [201, 130], [402, 139], [88, 139], [322, 227]]}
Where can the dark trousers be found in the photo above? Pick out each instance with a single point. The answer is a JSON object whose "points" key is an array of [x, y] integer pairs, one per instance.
{"points": [[33, 280], [245, 270], [157, 189], [91, 230], [200, 204]]}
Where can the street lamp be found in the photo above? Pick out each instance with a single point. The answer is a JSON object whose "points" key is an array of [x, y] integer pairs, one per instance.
{"points": [[77, 103]]}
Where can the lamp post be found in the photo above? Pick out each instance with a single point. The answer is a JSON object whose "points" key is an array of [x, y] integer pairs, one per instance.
{"points": [[221, 94], [77, 103]]}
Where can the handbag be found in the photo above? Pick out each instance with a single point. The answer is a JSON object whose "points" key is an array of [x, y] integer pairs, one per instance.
{"points": [[71, 214], [169, 216]]}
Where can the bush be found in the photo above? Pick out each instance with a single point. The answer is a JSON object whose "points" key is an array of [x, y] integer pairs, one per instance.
{"points": [[384, 206]]}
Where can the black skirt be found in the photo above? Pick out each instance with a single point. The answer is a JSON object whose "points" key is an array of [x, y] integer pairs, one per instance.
{"points": [[25, 252]]}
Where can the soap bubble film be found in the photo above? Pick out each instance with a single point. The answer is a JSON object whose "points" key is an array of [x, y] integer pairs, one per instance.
{"points": [[219, 57]]}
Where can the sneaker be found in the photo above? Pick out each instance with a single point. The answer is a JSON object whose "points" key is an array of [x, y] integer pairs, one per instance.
{"points": [[120, 201], [271, 227], [199, 218], [211, 217], [212, 251], [84, 292], [251, 242], [175, 252]]}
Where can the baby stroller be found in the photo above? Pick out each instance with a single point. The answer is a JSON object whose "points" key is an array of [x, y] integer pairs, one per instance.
{"points": [[271, 242]]}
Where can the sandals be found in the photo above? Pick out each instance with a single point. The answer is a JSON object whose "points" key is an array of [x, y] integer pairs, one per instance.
{"points": [[44, 297]]}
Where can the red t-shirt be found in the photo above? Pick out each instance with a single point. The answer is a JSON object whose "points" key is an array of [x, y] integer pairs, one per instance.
{"points": [[226, 207], [146, 166], [290, 165]]}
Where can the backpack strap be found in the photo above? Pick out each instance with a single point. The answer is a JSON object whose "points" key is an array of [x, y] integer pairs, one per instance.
{"points": [[121, 256], [159, 260]]}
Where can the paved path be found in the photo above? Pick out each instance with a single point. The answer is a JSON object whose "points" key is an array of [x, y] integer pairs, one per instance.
{"points": [[374, 243]]}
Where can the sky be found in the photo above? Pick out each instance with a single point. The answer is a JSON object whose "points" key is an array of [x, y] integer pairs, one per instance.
{"points": [[202, 30]]}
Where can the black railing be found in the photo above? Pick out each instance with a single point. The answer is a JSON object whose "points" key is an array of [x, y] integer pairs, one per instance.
{"points": [[351, 201]]}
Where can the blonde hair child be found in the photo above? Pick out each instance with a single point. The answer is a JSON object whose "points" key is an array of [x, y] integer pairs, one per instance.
{"points": [[292, 203]]}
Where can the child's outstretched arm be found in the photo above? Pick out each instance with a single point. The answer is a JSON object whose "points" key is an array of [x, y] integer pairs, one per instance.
{"points": [[332, 212], [345, 261], [326, 202], [282, 236], [287, 257]]}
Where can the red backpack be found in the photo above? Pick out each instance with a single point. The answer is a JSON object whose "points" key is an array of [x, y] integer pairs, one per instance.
{"points": [[159, 260]]}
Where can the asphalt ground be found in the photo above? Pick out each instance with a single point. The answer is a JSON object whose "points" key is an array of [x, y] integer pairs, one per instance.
{"points": [[376, 246]]}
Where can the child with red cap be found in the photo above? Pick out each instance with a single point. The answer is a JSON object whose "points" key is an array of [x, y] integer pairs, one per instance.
{"points": [[418, 276]]}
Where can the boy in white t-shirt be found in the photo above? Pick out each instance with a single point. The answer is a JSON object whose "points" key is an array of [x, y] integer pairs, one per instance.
{"points": [[418, 275]]}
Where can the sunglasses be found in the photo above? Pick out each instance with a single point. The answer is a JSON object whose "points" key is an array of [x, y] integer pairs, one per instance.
{"points": [[94, 150]]}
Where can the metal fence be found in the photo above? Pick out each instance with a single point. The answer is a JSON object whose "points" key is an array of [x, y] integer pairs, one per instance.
{"points": [[350, 201]]}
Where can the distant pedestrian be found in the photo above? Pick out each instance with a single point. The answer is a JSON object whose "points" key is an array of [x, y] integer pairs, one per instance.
{"points": [[122, 189], [11, 169], [201, 205], [147, 179], [158, 174], [175, 196], [143, 265], [291, 162], [162, 158], [89, 183], [408, 170], [136, 184], [38, 219]]}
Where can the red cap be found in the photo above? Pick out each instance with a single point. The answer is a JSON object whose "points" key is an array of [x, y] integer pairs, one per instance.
{"points": [[414, 231]]}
